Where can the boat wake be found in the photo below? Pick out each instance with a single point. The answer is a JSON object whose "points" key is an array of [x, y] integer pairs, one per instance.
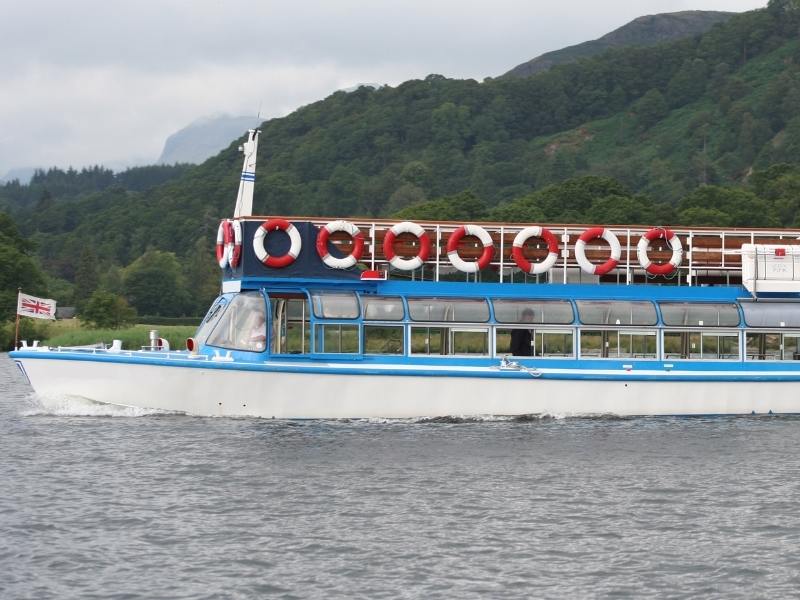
{"points": [[76, 406]]}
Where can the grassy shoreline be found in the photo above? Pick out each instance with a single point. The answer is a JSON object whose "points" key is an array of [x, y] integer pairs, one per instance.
{"points": [[72, 333]]}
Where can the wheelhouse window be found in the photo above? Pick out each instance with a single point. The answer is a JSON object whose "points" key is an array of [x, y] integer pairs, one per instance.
{"points": [[443, 341], [382, 308], [291, 324], [548, 343], [210, 320], [701, 345], [460, 310], [606, 312], [772, 345], [543, 312], [619, 343], [771, 314], [384, 339], [691, 314], [243, 326], [335, 305]]}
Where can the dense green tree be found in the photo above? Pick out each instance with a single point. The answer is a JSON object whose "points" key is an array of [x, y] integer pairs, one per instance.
{"points": [[107, 311], [18, 269], [154, 285]]}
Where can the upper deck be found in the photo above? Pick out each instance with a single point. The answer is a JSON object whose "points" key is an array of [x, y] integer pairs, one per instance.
{"points": [[497, 252]]}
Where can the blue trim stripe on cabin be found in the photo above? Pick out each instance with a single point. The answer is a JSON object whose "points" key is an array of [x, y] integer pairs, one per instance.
{"points": [[248, 176]]}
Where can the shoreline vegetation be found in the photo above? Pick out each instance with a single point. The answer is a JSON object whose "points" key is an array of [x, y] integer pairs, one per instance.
{"points": [[71, 332]]}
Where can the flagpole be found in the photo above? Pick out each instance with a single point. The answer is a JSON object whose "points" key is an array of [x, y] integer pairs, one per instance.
{"points": [[16, 328]]}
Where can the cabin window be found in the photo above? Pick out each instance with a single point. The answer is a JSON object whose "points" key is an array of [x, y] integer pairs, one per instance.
{"points": [[335, 305], [382, 308], [701, 345], [449, 341], [243, 326], [212, 317], [687, 314], [606, 312], [771, 314], [291, 324], [773, 345], [337, 338], [619, 343], [529, 342], [384, 339], [461, 310], [549, 312]]}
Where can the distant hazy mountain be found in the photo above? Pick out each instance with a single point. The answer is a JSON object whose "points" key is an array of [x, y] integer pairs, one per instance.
{"points": [[204, 138], [644, 31], [23, 175]]}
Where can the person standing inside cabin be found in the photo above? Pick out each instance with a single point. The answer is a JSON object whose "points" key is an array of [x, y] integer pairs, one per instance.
{"points": [[521, 338]]}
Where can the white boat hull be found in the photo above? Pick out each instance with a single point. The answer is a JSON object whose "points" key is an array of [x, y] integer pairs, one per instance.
{"points": [[309, 395]]}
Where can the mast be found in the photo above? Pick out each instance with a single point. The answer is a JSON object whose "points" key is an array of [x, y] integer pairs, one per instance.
{"points": [[244, 199]]}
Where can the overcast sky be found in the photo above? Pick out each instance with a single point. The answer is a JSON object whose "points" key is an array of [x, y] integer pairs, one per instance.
{"points": [[98, 82]]}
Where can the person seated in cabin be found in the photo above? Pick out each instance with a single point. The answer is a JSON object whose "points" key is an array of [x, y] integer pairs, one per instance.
{"points": [[257, 339], [521, 338]]}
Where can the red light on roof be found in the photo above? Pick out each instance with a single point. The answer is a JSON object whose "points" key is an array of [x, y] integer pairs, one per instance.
{"points": [[780, 251]]}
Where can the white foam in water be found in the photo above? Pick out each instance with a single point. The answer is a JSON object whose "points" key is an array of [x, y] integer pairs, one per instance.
{"points": [[76, 406]]}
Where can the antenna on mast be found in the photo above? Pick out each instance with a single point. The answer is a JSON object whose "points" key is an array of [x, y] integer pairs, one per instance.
{"points": [[244, 199]]}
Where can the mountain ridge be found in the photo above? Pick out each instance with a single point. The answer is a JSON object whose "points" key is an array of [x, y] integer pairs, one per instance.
{"points": [[646, 30]]}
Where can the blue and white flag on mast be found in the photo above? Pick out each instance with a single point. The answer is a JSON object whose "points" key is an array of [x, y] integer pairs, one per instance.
{"points": [[36, 308]]}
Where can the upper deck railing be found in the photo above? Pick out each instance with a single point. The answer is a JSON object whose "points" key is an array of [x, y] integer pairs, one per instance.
{"points": [[710, 255]]}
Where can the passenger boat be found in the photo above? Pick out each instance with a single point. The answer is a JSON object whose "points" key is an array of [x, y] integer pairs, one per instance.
{"points": [[323, 318]]}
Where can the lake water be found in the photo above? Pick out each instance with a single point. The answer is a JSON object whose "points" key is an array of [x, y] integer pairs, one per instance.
{"points": [[105, 503]]}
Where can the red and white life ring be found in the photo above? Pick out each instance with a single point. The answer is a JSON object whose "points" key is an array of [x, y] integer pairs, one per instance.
{"points": [[406, 264], [519, 255], [224, 237], [674, 242], [234, 246], [452, 248], [347, 261], [277, 262], [592, 234]]}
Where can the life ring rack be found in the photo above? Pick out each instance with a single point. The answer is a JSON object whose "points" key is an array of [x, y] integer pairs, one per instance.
{"points": [[277, 262], [486, 256], [519, 255], [406, 264], [674, 243], [594, 233], [345, 262]]}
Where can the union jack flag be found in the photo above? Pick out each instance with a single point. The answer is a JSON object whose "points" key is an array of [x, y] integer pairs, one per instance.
{"points": [[37, 308]]}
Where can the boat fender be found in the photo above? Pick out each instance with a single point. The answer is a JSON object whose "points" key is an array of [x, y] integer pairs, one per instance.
{"points": [[277, 262], [322, 244], [452, 248], [224, 238], [594, 233], [519, 254], [674, 243], [406, 264], [234, 246]]}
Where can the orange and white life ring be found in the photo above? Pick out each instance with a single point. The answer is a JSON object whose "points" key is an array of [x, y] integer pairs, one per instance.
{"points": [[674, 242], [406, 264], [594, 233], [452, 248], [347, 261], [224, 237], [519, 255], [234, 246], [277, 262]]}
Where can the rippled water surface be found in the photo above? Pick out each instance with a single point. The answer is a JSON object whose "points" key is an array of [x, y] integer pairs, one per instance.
{"points": [[104, 503]]}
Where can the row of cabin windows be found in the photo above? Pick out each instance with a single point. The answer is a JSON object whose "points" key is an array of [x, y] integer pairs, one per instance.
{"points": [[345, 305], [242, 327], [607, 343]]}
